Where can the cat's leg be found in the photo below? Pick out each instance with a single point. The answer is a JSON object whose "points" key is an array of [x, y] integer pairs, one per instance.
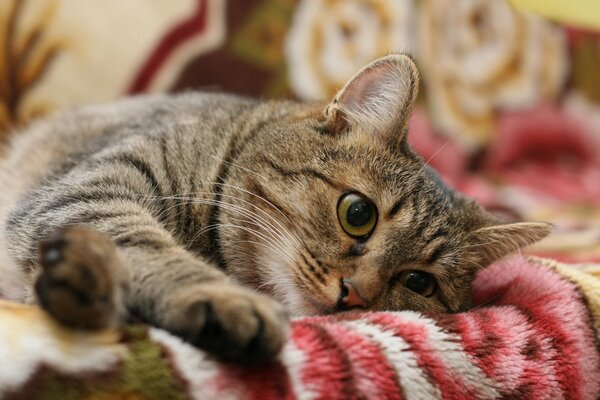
{"points": [[84, 275]]}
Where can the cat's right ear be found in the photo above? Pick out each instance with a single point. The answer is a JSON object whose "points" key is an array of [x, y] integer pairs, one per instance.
{"points": [[377, 101], [491, 243]]}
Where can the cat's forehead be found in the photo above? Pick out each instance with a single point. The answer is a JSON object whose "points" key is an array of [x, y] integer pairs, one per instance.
{"points": [[372, 169]]}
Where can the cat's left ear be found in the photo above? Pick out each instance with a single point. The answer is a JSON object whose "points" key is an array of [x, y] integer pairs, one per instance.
{"points": [[494, 242], [378, 100]]}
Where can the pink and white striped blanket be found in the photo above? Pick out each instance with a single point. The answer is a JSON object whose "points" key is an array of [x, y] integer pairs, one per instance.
{"points": [[534, 335]]}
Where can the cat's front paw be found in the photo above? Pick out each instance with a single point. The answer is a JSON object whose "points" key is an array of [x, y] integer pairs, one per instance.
{"points": [[83, 282], [228, 321]]}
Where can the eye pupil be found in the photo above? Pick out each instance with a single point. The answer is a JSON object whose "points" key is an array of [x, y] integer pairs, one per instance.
{"points": [[359, 213], [417, 282]]}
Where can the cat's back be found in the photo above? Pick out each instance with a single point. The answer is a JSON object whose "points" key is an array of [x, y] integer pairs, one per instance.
{"points": [[48, 145]]}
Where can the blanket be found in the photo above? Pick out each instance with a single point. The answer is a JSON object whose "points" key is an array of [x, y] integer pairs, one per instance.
{"points": [[526, 148], [533, 334]]}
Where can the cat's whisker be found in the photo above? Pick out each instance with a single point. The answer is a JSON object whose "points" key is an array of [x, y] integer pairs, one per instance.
{"points": [[480, 244], [244, 191], [434, 155], [274, 234], [258, 197], [243, 252], [271, 282], [239, 251], [288, 281], [254, 214], [479, 266], [485, 303], [307, 284], [281, 227], [268, 244], [230, 206], [272, 238], [297, 235]]}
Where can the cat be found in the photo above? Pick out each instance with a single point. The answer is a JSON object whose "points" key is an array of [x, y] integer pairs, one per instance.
{"points": [[216, 217]]}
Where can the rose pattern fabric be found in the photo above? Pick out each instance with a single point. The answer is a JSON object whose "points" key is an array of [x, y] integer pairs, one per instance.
{"points": [[329, 40], [59, 54], [481, 57]]}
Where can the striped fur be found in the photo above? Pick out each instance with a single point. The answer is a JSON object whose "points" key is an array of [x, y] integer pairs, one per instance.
{"points": [[196, 191]]}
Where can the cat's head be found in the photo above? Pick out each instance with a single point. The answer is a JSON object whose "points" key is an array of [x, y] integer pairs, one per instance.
{"points": [[337, 212]]}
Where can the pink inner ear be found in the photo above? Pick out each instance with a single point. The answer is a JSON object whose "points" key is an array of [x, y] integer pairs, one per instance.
{"points": [[379, 99], [366, 86]]}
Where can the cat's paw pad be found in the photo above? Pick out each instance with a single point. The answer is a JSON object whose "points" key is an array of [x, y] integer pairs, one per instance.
{"points": [[80, 285], [230, 322]]}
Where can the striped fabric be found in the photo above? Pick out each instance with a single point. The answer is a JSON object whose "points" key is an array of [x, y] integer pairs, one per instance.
{"points": [[534, 335]]}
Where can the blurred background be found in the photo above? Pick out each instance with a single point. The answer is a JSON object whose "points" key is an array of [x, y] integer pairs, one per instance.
{"points": [[509, 110]]}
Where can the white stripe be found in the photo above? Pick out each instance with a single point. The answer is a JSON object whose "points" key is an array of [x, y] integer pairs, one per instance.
{"points": [[413, 381], [294, 360], [456, 361]]}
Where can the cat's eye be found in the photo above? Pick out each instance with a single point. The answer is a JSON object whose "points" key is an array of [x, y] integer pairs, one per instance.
{"points": [[418, 281], [357, 215]]}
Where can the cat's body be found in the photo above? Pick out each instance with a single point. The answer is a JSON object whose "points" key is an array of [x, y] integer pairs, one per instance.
{"points": [[324, 209]]}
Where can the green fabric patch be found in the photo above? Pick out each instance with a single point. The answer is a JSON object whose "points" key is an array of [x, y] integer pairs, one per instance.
{"points": [[144, 374], [147, 371], [586, 64], [260, 42]]}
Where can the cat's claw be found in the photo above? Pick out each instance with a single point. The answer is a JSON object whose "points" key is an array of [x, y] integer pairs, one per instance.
{"points": [[229, 322]]}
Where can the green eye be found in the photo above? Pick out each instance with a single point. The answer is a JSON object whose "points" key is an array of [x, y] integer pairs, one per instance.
{"points": [[357, 215], [418, 281]]}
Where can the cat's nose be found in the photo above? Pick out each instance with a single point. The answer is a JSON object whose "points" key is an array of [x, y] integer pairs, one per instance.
{"points": [[349, 297]]}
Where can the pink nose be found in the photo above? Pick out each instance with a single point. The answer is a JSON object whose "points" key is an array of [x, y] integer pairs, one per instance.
{"points": [[350, 296]]}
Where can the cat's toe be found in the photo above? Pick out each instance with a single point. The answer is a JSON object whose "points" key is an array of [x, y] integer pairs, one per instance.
{"points": [[235, 324], [77, 285]]}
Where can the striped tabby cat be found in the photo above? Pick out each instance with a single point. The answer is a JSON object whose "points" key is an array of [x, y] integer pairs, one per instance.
{"points": [[180, 210]]}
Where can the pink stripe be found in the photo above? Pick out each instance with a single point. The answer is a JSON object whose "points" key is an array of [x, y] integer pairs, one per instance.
{"points": [[328, 371], [559, 325], [520, 365], [373, 373], [416, 336], [265, 382], [481, 339]]}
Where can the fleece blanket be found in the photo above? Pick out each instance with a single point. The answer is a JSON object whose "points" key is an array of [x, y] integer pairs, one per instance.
{"points": [[532, 334]]}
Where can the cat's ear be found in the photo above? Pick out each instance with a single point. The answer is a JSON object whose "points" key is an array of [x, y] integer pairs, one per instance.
{"points": [[494, 242], [378, 100]]}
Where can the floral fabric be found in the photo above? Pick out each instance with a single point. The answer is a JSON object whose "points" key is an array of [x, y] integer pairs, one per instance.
{"points": [[509, 110]]}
